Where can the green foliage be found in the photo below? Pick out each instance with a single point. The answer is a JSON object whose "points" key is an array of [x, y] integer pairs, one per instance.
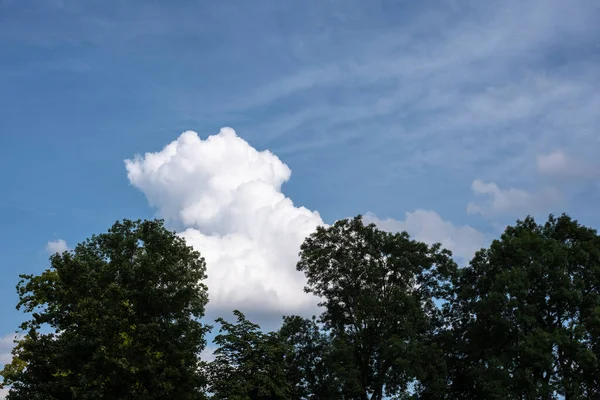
{"points": [[526, 316], [309, 360], [249, 364], [116, 318], [378, 290]]}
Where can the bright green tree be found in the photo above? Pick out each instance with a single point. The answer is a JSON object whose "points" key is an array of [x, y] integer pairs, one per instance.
{"points": [[379, 292], [116, 318]]}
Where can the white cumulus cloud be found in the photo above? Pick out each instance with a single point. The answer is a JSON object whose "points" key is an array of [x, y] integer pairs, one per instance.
{"points": [[56, 246], [429, 227], [227, 196]]}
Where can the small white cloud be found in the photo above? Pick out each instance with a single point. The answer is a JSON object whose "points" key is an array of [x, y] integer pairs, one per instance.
{"points": [[553, 163], [429, 227], [501, 201], [228, 197], [56, 246], [510, 201]]}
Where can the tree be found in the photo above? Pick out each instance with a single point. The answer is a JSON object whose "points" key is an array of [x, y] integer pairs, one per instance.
{"points": [[309, 360], [378, 290], [116, 318], [526, 316], [248, 364]]}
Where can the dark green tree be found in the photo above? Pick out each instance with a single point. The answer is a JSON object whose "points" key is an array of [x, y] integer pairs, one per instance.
{"points": [[526, 316], [379, 292], [309, 360], [248, 364], [116, 318]]}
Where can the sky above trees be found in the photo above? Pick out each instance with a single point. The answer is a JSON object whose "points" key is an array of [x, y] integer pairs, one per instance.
{"points": [[449, 120]]}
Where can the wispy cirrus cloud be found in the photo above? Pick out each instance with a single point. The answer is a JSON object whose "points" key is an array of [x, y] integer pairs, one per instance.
{"points": [[486, 92], [458, 85]]}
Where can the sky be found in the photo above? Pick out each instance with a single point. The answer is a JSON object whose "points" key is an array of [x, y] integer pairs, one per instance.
{"points": [[247, 124]]}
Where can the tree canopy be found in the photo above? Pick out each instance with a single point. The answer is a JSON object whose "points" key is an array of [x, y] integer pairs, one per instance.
{"points": [[116, 318], [378, 292], [249, 364], [310, 362], [119, 318], [526, 316]]}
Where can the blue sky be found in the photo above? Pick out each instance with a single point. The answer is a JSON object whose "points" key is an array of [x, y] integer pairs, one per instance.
{"points": [[465, 114]]}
